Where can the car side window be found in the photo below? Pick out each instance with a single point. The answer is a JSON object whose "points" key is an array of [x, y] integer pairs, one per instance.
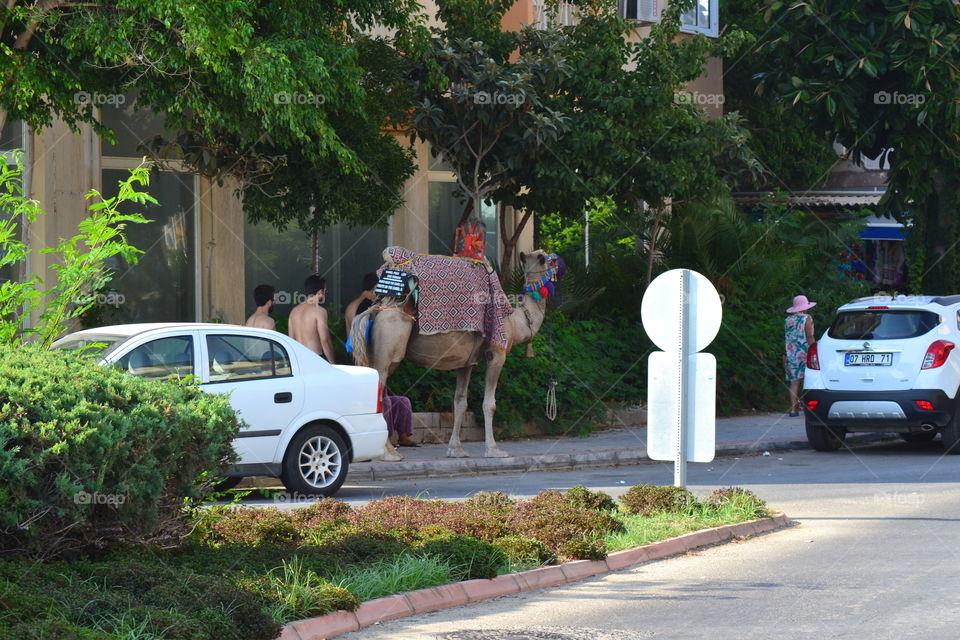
{"points": [[160, 358], [233, 358]]}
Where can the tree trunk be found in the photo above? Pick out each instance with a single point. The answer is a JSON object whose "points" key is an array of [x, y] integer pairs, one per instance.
{"points": [[467, 209], [509, 245], [315, 253], [652, 244]]}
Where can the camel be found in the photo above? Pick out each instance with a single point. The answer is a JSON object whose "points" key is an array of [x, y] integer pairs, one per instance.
{"points": [[394, 337]]}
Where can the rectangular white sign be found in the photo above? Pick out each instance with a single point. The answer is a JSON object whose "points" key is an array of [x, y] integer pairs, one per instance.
{"points": [[663, 406]]}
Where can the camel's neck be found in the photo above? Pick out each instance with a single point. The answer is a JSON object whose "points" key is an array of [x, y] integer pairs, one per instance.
{"points": [[527, 319]]}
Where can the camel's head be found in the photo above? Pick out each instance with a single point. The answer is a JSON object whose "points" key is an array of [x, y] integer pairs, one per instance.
{"points": [[541, 271]]}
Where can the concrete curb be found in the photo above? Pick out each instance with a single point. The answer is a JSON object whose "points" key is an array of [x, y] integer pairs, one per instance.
{"points": [[455, 595], [380, 471]]}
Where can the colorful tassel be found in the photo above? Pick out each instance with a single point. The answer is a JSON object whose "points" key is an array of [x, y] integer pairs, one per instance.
{"points": [[535, 295], [544, 293], [550, 288]]}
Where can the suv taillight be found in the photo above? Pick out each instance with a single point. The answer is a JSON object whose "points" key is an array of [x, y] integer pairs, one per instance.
{"points": [[813, 358], [379, 397], [937, 354]]}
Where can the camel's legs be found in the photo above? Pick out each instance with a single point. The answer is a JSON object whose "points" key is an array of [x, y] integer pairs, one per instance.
{"points": [[455, 448], [494, 367]]}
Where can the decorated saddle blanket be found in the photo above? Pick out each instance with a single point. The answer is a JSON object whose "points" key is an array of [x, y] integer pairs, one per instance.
{"points": [[454, 294]]}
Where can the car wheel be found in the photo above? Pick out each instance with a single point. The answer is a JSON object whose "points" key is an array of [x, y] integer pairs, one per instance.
{"points": [[822, 437], [315, 462], [950, 434], [917, 437]]}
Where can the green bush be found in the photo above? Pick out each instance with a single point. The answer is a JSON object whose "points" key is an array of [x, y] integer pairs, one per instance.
{"points": [[739, 499], [580, 496], [584, 549], [111, 597], [649, 499], [468, 557], [90, 454], [525, 551], [552, 519]]}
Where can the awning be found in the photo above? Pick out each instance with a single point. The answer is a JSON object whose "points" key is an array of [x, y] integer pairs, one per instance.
{"points": [[814, 200], [885, 232]]}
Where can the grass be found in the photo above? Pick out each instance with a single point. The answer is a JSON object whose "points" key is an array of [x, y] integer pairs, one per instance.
{"points": [[393, 575], [641, 530]]}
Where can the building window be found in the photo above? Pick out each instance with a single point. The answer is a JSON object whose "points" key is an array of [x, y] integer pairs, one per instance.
{"points": [[282, 259], [162, 285], [641, 10], [702, 18]]}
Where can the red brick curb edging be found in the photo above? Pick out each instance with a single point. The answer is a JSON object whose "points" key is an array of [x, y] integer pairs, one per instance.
{"points": [[454, 595]]}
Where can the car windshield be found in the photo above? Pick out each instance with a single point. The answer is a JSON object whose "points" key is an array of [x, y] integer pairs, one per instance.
{"points": [[882, 324], [89, 344]]}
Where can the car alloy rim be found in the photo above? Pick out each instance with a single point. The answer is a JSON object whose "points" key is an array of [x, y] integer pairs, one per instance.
{"points": [[319, 461]]}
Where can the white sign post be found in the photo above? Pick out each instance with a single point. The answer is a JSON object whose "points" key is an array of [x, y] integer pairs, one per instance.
{"points": [[681, 312]]}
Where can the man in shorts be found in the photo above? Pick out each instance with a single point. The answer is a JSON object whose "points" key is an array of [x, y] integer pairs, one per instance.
{"points": [[308, 320]]}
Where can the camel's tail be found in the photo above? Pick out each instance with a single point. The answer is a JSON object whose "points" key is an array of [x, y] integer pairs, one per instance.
{"points": [[358, 337]]}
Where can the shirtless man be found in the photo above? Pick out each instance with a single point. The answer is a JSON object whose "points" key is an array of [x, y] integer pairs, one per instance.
{"points": [[263, 297], [308, 320], [362, 302]]}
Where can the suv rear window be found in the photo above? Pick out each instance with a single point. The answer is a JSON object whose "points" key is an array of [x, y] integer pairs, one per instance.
{"points": [[872, 324]]}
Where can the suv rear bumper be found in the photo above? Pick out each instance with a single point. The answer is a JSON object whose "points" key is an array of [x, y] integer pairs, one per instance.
{"points": [[870, 410]]}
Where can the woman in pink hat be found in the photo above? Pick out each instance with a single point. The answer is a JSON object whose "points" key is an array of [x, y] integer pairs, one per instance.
{"points": [[798, 331]]}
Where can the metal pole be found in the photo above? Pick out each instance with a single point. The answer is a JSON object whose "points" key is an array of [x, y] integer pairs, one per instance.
{"points": [[686, 327], [586, 242]]}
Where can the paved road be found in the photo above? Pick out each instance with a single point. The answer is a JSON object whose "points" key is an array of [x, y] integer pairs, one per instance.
{"points": [[874, 555]]}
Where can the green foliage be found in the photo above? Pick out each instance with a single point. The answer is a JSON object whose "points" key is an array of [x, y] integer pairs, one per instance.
{"points": [[109, 600], [649, 499], [293, 100], [296, 592], [81, 271], [467, 557], [521, 551], [390, 575], [882, 77], [554, 520], [580, 496], [738, 500], [90, 455], [795, 154]]}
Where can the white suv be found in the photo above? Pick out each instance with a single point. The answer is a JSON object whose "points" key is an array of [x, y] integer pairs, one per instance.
{"points": [[886, 364]]}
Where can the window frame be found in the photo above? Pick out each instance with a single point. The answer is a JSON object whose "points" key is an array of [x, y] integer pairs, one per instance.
{"points": [[274, 345], [712, 30]]}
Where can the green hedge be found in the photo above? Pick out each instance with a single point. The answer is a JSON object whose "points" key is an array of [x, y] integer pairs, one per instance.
{"points": [[91, 455]]}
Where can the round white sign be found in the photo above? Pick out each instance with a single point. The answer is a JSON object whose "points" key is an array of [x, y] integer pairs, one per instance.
{"points": [[662, 306]]}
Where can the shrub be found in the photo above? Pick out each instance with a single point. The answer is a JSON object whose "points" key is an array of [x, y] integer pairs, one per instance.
{"points": [[580, 496], [525, 551], [584, 549], [738, 498], [90, 454], [649, 499], [118, 596], [467, 557], [552, 519], [297, 592], [252, 526]]}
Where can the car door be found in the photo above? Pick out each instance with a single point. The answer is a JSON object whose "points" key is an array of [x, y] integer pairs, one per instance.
{"points": [[169, 356], [263, 385]]}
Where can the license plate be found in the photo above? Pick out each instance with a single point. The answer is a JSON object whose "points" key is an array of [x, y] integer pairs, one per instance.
{"points": [[868, 359]]}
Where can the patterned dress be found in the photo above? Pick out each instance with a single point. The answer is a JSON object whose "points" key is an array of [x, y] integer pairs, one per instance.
{"points": [[796, 342]]}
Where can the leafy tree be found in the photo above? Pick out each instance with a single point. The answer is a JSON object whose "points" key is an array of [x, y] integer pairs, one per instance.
{"points": [[81, 270], [882, 75], [291, 98], [795, 154], [480, 98]]}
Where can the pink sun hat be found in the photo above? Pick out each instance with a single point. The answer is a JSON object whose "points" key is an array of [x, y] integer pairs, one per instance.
{"points": [[800, 303]]}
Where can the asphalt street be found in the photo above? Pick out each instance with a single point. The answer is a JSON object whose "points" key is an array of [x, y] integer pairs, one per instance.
{"points": [[873, 555]]}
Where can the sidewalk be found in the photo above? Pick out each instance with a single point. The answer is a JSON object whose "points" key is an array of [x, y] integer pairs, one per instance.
{"points": [[608, 448]]}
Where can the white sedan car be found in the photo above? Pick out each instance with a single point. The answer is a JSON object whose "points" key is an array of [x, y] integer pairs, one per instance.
{"points": [[305, 419]]}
